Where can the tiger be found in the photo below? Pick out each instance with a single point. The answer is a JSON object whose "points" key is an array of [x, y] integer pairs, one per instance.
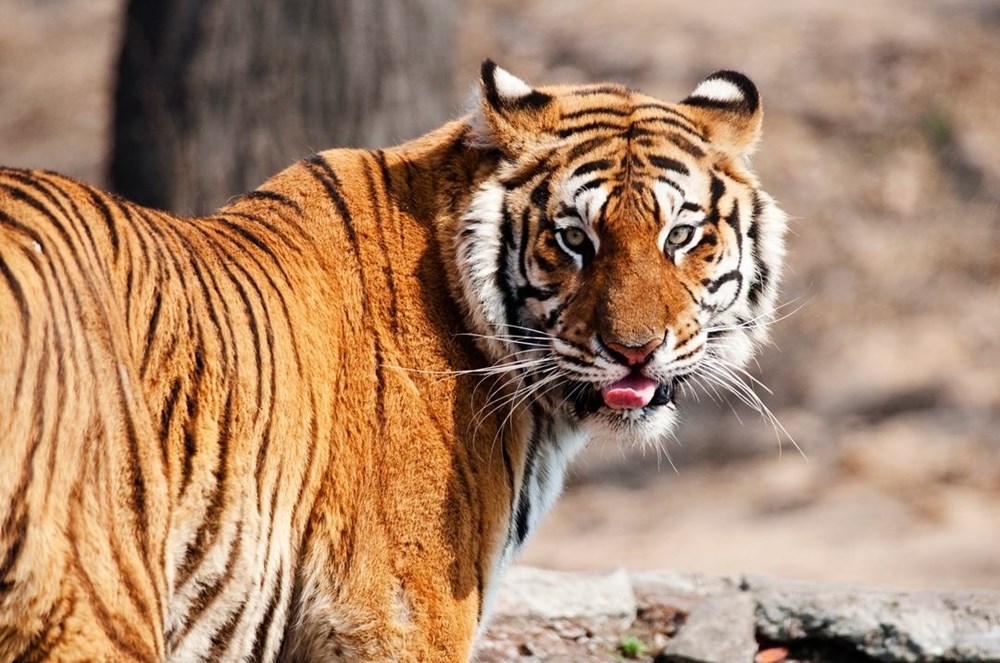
{"points": [[320, 423]]}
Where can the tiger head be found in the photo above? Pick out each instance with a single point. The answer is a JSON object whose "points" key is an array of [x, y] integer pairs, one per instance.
{"points": [[621, 245]]}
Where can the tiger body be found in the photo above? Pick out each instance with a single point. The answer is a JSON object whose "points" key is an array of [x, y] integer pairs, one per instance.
{"points": [[321, 422]]}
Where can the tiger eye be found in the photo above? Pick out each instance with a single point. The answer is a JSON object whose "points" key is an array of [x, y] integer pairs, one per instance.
{"points": [[574, 238], [680, 235]]}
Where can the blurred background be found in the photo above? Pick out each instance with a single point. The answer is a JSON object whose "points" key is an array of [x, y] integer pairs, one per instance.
{"points": [[882, 141]]}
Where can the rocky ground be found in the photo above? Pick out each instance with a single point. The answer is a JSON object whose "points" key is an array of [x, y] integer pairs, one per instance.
{"points": [[882, 140], [669, 617]]}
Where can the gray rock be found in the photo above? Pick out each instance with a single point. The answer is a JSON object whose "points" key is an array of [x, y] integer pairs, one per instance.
{"points": [[719, 629], [540, 594], [888, 625], [683, 584]]}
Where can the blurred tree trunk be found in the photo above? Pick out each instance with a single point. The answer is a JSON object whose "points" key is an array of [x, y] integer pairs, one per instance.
{"points": [[214, 96]]}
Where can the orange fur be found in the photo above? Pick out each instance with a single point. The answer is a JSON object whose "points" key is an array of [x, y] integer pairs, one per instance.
{"points": [[250, 433]]}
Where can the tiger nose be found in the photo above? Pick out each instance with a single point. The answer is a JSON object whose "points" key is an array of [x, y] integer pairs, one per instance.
{"points": [[635, 354]]}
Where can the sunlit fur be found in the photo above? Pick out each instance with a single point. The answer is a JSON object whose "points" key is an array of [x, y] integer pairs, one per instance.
{"points": [[318, 424]]}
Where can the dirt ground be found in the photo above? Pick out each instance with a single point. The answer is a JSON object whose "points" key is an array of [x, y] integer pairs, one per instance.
{"points": [[882, 140]]}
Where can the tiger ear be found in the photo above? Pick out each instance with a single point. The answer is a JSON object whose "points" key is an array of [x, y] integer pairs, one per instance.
{"points": [[510, 112], [728, 105]]}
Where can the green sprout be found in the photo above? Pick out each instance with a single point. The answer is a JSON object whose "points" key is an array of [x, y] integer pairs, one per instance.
{"points": [[631, 647]]}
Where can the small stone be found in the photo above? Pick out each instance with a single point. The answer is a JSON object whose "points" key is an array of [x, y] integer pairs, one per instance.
{"points": [[771, 655], [720, 629]]}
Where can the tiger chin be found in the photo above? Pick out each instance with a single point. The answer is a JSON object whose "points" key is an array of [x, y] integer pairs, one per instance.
{"points": [[320, 423]]}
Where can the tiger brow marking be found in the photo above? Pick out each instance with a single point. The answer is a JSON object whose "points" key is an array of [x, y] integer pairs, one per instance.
{"points": [[539, 165], [666, 163], [663, 108], [590, 126], [587, 146], [671, 183], [598, 110], [591, 166], [613, 90]]}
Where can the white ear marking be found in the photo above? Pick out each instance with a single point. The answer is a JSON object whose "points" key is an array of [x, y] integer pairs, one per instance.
{"points": [[718, 89], [508, 85]]}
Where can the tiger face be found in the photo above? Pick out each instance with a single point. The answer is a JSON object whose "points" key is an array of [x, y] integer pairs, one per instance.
{"points": [[622, 247]]}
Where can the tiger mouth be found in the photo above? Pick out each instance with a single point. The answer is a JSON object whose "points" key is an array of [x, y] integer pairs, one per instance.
{"points": [[587, 399]]}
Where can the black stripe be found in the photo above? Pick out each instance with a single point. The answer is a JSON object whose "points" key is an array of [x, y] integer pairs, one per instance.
{"points": [[534, 292], [389, 273], [591, 166], [323, 173], [167, 415], [553, 316], [671, 183], [256, 326], [209, 593], [193, 410], [18, 505], [125, 209], [224, 634], [674, 137], [134, 469], [264, 627], [589, 145], [615, 90], [154, 321], [524, 498], [666, 163], [713, 285], [259, 243], [685, 145], [688, 125], [762, 277], [590, 184], [716, 188], [504, 277], [591, 126], [22, 305], [597, 110], [71, 214], [259, 221], [38, 206], [261, 194], [208, 529], [98, 200], [530, 171]]}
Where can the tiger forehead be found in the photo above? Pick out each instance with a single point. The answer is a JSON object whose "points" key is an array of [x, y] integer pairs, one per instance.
{"points": [[615, 109], [606, 130]]}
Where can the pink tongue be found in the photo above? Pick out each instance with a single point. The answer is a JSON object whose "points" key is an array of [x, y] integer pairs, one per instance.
{"points": [[630, 392]]}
